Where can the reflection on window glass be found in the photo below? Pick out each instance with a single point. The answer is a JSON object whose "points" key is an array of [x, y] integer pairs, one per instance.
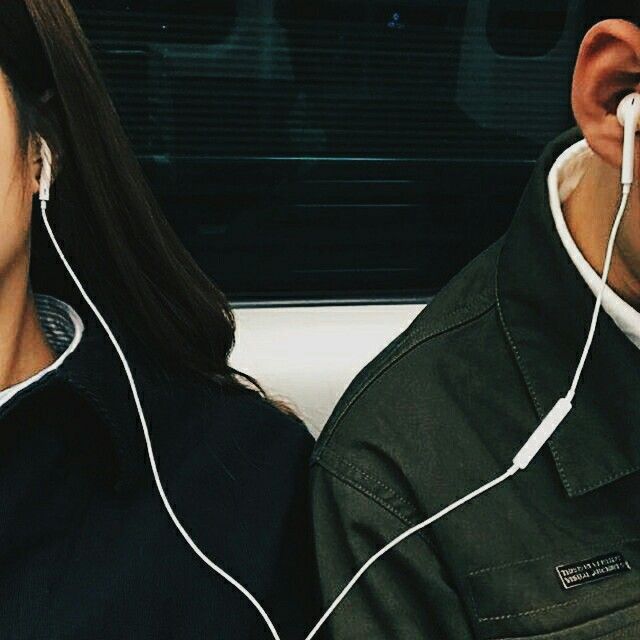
{"points": [[337, 149]]}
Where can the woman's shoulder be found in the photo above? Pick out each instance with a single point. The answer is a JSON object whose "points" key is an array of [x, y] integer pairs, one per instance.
{"points": [[237, 430], [261, 427], [236, 468]]}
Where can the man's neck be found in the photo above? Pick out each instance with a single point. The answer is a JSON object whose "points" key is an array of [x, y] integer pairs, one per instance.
{"points": [[589, 213]]}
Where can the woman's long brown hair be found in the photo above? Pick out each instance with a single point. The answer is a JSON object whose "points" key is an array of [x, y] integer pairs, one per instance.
{"points": [[104, 214]]}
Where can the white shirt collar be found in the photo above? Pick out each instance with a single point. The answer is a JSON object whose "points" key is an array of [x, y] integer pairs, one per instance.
{"points": [[63, 328], [563, 178]]}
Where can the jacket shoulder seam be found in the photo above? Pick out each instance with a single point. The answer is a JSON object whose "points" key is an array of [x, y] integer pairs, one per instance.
{"points": [[342, 475], [463, 315]]}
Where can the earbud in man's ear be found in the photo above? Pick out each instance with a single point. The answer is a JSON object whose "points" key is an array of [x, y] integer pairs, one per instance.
{"points": [[45, 172], [629, 117]]}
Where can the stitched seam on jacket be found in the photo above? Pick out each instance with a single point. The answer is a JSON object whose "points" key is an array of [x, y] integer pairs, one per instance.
{"points": [[550, 607], [370, 493], [404, 348], [507, 565], [530, 612], [584, 488], [369, 476], [517, 356], [604, 634], [526, 377], [532, 393], [356, 486], [422, 533], [573, 491]]}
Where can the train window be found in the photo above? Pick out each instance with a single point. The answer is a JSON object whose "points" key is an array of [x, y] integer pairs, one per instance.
{"points": [[337, 149]]}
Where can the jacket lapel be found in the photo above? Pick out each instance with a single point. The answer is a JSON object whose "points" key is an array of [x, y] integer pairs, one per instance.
{"points": [[545, 309]]}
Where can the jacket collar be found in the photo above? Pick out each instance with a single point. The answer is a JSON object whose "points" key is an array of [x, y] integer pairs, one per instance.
{"points": [[545, 308], [93, 371]]}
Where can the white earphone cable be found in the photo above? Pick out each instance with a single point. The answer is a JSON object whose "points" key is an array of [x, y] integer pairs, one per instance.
{"points": [[514, 468], [400, 538], [152, 460], [533, 445]]}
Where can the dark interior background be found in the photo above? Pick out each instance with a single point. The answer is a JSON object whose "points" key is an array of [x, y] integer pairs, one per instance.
{"points": [[338, 150]]}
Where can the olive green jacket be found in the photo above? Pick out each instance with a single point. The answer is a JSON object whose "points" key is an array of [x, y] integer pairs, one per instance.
{"points": [[553, 552]]}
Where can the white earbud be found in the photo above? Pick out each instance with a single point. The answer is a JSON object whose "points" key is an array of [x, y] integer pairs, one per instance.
{"points": [[45, 184], [45, 172], [629, 116]]}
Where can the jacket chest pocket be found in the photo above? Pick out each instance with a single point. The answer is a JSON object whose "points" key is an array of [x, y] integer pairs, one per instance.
{"points": [[572, 594]]}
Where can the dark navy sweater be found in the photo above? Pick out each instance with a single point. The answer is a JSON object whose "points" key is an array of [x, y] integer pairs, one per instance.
{"points": [[87, 549]]}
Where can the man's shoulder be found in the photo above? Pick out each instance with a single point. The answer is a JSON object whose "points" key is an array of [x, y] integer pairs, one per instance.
{"points": [[453, 314], [468, 295], [232, 438], [420, 395]]}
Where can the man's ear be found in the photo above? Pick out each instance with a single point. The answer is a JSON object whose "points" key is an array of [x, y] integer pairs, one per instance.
{"points": [[607, 68]]}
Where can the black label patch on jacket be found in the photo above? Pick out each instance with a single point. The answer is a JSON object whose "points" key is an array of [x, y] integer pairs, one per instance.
{"points": [[586, 571]]}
